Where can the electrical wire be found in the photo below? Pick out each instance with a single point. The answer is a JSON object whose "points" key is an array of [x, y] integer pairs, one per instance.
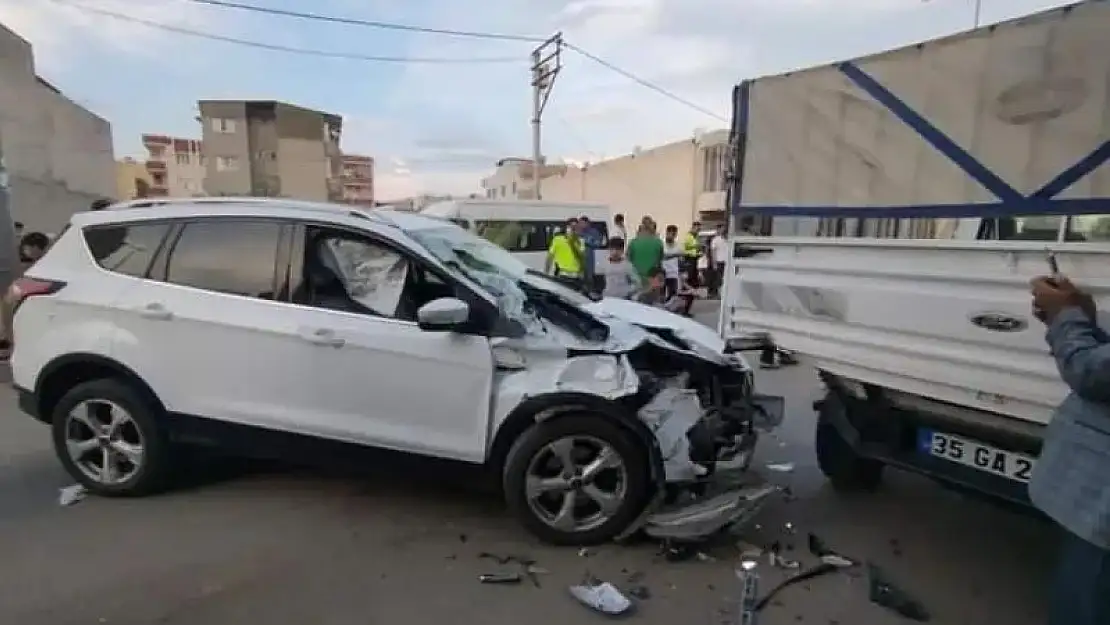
{"points": [[457, 33], [281, 48], [644, 83], [335, 19]]}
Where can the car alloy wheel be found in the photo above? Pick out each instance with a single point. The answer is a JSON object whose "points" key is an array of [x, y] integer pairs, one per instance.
{"points": [[104, 442], [576, 483]]}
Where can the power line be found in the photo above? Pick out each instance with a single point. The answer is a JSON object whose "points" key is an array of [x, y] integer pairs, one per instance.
{"points": [[280, 48], [644, 83], [334, 19]]}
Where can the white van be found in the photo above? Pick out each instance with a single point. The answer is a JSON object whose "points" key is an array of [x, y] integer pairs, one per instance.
{"points": [[524, 227]]}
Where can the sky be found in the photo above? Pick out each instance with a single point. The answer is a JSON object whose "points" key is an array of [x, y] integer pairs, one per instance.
{"points": [[440, 127]]}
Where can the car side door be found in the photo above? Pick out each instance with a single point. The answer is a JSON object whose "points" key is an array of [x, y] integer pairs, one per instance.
{"points": [[205, 329], [370, 374]]}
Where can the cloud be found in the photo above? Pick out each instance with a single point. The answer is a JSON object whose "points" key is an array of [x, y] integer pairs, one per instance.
{"points": [[697, 50], [61, 33]]}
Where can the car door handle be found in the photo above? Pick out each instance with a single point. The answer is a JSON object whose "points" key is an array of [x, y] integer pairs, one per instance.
{"points": [[156, 311], [323, 337]]}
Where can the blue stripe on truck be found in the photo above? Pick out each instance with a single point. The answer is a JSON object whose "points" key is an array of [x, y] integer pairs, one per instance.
{"points": [[1012, 203]]}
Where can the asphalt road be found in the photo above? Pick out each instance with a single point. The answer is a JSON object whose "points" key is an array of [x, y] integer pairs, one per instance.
{"points": [[299, 546]]}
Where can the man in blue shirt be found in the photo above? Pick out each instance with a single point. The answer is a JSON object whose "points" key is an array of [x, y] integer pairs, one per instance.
{"points": [[593, 242], [1071, 483]]}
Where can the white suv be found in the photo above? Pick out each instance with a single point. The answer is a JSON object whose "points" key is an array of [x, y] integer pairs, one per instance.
{"points": [[302, 330]]}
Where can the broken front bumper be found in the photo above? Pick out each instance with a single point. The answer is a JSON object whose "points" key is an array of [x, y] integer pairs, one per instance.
{"points": [[739, 496]]}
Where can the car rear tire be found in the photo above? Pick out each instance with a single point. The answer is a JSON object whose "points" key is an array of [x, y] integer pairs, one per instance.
{"points": [[108, 437], [577, 479], [844, 467]]}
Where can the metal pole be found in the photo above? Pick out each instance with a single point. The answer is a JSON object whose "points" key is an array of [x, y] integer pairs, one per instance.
{"points": [[537, 105], [9, 270], [978, 12], [547, 61]]}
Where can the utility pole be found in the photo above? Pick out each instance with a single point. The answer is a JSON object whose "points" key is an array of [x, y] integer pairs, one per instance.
{"points": [[547, 62], [978, 12], [7, 226]]}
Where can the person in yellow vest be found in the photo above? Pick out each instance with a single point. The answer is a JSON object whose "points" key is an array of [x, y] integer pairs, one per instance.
{"points": [[567, 253], [691, 249]]}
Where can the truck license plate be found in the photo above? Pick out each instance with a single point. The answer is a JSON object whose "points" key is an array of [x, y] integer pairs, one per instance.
{"points": [[970, 453]]}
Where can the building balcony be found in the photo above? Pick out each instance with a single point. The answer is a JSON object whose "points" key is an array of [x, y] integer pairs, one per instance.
{"points": [[153, 166]]}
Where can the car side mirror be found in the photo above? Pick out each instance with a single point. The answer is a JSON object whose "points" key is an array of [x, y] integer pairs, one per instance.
{"points": [[445, 314]]}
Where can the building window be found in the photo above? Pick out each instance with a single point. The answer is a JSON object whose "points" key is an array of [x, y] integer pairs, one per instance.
{"points": [[182, 158], [223, 125], [502, 190], [227, 163]]}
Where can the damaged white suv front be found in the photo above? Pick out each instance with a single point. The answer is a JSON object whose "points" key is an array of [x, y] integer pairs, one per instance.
{"points": [[602, 426]]}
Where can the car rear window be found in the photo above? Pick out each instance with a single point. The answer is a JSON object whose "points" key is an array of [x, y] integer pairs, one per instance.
{"points": [[126, 248]]}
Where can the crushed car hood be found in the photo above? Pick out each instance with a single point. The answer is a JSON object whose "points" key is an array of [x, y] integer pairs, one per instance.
{"points": [[706, 341]]}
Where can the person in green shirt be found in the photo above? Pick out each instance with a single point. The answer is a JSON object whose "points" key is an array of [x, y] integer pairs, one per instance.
{"points": [[645, 252]]}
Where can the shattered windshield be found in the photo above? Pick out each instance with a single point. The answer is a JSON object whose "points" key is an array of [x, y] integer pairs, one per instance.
{"points": [[492, 267]]}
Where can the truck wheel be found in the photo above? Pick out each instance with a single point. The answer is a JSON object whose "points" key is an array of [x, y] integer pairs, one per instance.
{"points": [[846, 470], [577, 480]]}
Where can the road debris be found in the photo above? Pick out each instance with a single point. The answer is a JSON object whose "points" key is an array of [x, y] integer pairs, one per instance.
{"points": [[883, 592], [584, 553], [527, 568], [71, 494], [776, 559], [818, 548], [601, 597], [499, 578], [749, 592], [808, 574], [781, 467]]}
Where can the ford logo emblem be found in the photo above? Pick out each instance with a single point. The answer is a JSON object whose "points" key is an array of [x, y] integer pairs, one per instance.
{"points": [[999, 322]]}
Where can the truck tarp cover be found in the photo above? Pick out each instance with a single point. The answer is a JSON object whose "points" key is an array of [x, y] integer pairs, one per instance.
{"points": [[1004, 120]]}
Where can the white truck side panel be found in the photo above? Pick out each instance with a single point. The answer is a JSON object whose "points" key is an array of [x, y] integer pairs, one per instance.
{"points": [[1028, 99]]}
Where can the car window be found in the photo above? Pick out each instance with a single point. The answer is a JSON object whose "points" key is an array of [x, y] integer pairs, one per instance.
{"points": [[226, 256], [373, 275], [126, 248]]}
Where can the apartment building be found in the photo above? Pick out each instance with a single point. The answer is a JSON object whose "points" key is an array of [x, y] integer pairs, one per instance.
{"points": [[273, 149], [175, 165], [358, 180], [677, 183], [58, 154]]}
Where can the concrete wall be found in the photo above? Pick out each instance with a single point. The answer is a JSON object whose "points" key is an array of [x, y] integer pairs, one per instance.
{"points": [[304, 169], [128, 174], [58, 154], [668, 182]]}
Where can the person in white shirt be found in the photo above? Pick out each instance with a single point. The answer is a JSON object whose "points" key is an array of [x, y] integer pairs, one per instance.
{"points": [[672, 257], [619, 231], [718, 257]]}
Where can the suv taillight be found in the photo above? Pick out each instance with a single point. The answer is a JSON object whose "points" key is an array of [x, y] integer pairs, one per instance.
{"points": [[25, 288]]}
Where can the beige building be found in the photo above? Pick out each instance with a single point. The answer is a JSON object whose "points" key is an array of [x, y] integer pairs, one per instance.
{"points": [[513, 179], [58, 154], [175, 165], [676, 183], [132, 179], [268, 148], [358, 180]]}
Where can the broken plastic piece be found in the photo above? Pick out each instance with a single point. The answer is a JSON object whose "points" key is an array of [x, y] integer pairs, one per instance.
{"points": [[602, 597], [499, 578], [775, 557], [708, 516], [884, 593], [781, 467], [837, 560], [71, 494]]}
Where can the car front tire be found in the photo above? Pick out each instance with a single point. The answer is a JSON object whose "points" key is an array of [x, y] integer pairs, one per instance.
{"points": [[108, 437], [577, 479]]}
